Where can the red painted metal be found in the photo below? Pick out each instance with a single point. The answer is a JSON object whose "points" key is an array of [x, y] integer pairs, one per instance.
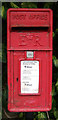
{"points": [[29, 30]]}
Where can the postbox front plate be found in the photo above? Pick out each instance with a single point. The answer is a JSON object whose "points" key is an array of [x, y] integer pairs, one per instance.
{"points": [[29, 59]]}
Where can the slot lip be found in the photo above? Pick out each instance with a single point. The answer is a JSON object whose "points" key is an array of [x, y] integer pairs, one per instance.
{"points": [[30, 26]]}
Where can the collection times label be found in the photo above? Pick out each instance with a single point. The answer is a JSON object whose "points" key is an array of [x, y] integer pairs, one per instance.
{"points": [[29, 76]]}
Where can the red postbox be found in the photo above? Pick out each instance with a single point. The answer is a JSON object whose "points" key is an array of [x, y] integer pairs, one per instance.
{"points": [[29, 59]]}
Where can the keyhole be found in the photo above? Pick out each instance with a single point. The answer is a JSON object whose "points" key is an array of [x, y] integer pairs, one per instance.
{"points": [[17, 79]]}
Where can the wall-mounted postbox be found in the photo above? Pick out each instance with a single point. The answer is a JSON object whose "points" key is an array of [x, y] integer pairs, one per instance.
{"points": [[29, 59]]}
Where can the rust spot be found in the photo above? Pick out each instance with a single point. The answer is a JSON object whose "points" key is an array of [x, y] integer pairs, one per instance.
{"points": [[11, 84], [47, 34], [51, 93]]}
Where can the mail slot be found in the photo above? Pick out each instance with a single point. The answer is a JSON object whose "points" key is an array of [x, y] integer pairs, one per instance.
{"points": [[29, 59]]}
